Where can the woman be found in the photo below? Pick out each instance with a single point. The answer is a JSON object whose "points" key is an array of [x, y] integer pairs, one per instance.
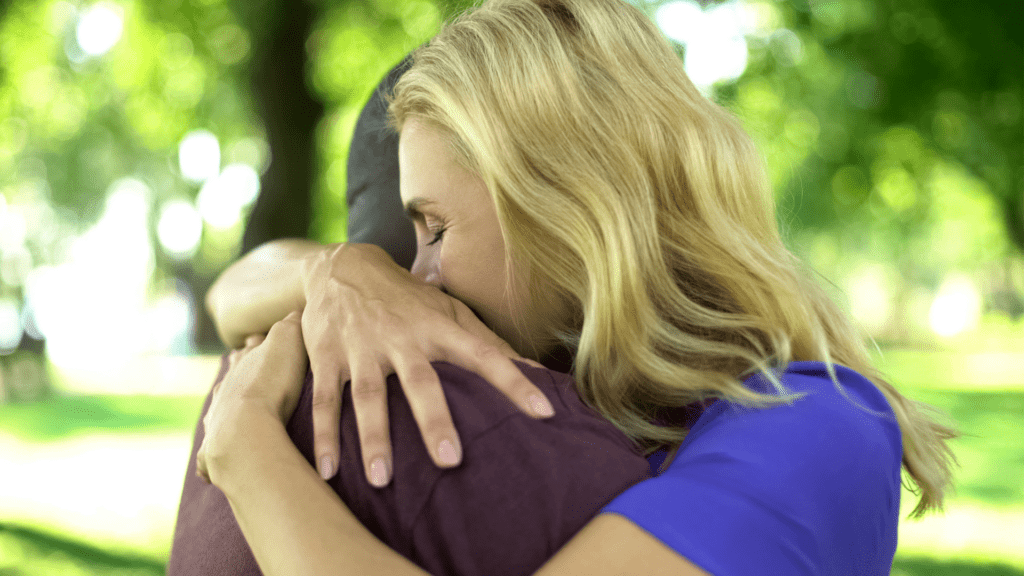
{"points": [[571, 187]]}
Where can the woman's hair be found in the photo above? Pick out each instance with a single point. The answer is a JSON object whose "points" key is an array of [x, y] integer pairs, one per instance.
{"points": [[644, 208]]}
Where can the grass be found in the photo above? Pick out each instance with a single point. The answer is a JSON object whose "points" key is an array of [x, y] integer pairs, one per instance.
{"points": [[991, 456], [65, 416], [991, 452], [931, 567], [26, 551]]}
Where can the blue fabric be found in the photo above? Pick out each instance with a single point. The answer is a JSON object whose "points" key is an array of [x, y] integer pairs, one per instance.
{"points": [[811, 488]]}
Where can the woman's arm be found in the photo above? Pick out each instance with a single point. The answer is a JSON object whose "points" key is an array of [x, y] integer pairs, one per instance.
{"points": [[295, 524], [259, 289]]}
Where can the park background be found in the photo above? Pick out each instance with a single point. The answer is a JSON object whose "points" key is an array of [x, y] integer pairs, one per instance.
{"points": [[146, 144]]}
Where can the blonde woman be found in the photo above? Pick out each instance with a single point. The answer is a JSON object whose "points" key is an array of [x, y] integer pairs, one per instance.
{"points": [[571, 189]]}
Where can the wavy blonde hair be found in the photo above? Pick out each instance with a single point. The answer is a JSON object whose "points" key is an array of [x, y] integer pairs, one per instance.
{"points": [[645, 209]]}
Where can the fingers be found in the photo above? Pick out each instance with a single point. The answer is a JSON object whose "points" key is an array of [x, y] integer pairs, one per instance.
{"points": [[286, 335], [498, 369], [328, 380], [480, 350], [430, 409], [370, 403], [236, 355]]}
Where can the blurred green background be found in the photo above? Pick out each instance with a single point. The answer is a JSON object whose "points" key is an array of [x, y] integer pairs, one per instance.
{"points": [[145, 145]]}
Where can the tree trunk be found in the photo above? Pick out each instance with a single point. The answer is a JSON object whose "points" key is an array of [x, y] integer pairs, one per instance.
{"points": [[290, 114]]}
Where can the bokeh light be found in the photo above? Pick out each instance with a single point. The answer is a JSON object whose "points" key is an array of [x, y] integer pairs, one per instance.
{"points": [[179, 229], [956, 308], [99, 29], [199, 156], [871, 293], [222, 199], [110, 267], [716, 49], [10, 326]]}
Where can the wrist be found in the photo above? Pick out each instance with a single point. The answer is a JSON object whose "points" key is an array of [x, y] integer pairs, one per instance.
{"points": [[236, 450]]}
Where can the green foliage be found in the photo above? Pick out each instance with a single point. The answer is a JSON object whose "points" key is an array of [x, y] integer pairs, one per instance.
{"points": [[892, 130], [355, 45], [878, 117]]}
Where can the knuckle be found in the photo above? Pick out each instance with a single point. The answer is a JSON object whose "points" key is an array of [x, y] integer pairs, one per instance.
{"points": [[485, 351], [323, 348], [326, 441], [325, 399], [421, 376], [390, 322], [373, 442], [438, 427], [367, 389]]}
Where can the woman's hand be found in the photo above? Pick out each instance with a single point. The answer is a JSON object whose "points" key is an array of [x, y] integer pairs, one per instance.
{"points": [[365, 318], [267, 374]]}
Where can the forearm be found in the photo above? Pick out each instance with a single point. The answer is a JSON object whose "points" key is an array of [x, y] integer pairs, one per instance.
{"points": [[294, 522], [259, 289]]}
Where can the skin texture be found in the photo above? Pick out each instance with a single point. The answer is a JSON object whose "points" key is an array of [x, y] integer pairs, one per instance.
{"points": [[452, 205]]}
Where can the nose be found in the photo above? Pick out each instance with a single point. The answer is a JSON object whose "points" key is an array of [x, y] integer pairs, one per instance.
{"points": [[426, 268]]}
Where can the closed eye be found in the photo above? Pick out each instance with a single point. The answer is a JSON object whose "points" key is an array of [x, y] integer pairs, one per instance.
{"points": [[437, 237]]}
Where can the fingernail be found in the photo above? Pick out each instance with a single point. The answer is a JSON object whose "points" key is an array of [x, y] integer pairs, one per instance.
{"points": [[541, 406], [378, 473], [447, 453], [326, 467]]}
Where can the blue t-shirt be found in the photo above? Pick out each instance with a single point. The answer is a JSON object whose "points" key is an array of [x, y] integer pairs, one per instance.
{"points": [[807, 489]]}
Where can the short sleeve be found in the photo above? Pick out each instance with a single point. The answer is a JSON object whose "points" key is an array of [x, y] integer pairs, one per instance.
{"points": [[809, 488]]}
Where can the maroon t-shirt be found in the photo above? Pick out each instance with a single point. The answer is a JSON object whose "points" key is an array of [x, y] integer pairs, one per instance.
{"points": [[524, 487]]}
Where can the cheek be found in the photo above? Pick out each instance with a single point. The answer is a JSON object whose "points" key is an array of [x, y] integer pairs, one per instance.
{"points": [[474, 272]]}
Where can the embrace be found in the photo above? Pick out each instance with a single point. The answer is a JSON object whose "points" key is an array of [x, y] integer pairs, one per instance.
{"points": [[594, 355]]}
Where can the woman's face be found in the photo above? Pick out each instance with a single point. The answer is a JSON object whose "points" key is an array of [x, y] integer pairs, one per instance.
{"points": [[460, 248]]}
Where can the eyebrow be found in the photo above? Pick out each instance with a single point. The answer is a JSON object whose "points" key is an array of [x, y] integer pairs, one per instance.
{"points": [[412, 207]]}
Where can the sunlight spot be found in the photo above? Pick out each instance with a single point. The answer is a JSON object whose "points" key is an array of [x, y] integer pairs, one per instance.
{"points": [[222, 199], [716, 49], [99, 322], [216, 205], [99, 29], [13, 229], [241, 182], [15, 265], [170, 322], [956, 308], [871, 295], [199, 156], [125, 489], [10, 326], [180, 229]]}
